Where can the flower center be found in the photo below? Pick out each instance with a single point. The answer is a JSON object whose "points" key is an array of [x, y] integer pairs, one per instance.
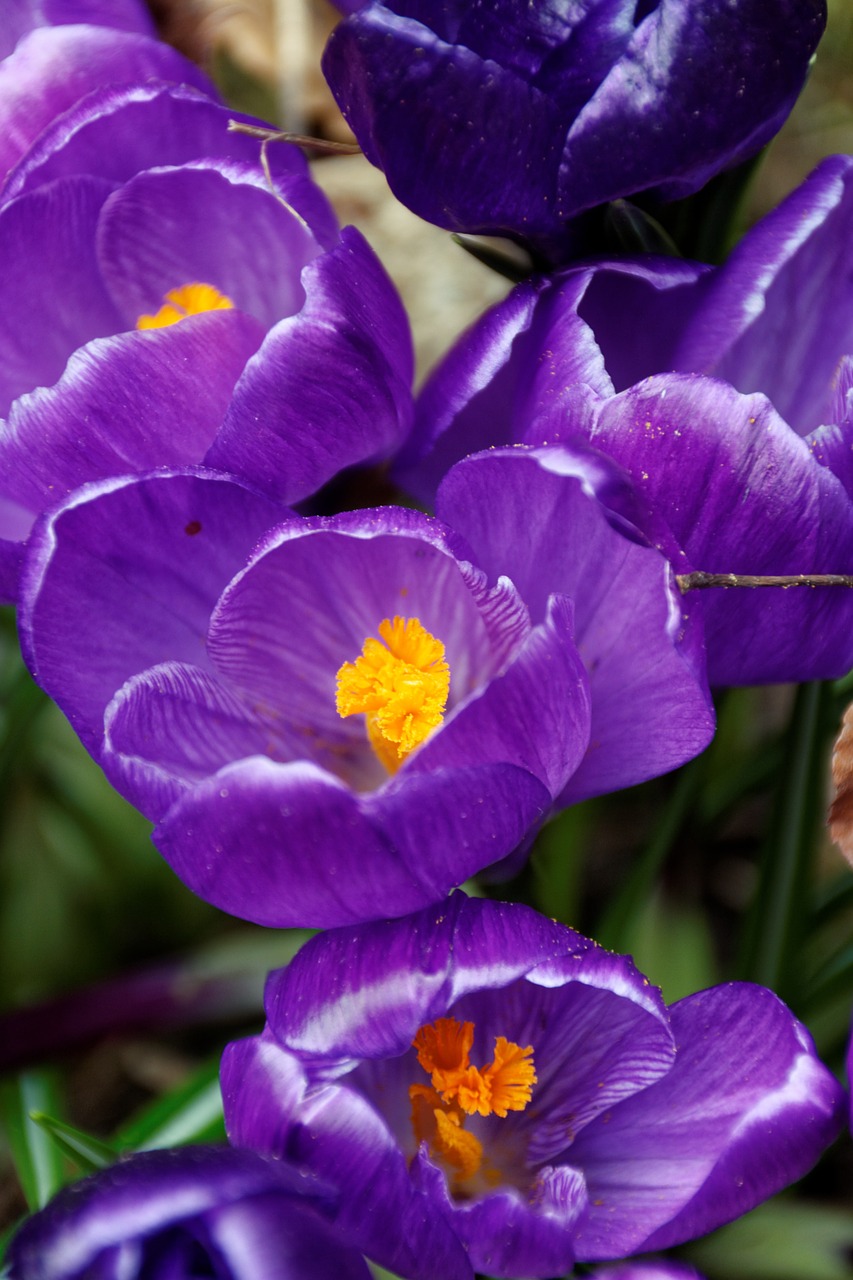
{"points": [[188, 300], [457, 1089], [401, 685]]}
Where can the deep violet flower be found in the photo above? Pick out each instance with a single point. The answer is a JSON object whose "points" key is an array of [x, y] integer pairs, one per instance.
{"points": [[233, 684], [194, 1211], [484, 1070], [728, 473], [279, 348], [511, 118]]}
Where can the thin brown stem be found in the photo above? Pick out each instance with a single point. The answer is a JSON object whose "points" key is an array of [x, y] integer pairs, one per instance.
{"points": [[700, 580], [321, 145]]}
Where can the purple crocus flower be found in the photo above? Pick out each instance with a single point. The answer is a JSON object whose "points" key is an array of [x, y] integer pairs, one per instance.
{"points": [[194, 1211], [511, 118], [739, 488], [488, 1076], [180, 309], [332, 719]]}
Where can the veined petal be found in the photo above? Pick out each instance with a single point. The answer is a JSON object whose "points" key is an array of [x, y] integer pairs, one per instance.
{"points": [[89, 621], [51, 68], [147, 399], [318, 397], [205, 222], [742, 494], [746, 1109], [534, 515]]}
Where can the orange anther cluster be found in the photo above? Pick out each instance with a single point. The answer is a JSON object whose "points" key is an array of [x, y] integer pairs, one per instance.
{"points": [[401, 685], [458, 1089], [188, 300]]}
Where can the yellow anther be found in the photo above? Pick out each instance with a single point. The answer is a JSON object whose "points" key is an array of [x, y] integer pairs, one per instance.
{"points": [[188, 300], [401, 685]]}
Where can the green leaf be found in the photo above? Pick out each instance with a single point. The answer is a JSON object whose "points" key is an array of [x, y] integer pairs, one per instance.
{"points": [[616, 930], [777, 920], [88, 1153], [38, 1161], [782, 1240], [190, 1113]]}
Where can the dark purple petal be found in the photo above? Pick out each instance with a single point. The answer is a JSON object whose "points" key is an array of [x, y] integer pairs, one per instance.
{"points": [[336, 1000], [50, 69], [331, 385], [290, 845], [733, 72], [339, 1136], [533, 516], [90, 621], [52, 298], [507, 1234], [602, 327], [147, 399], [116, 132], [746, 1109], [742, 494], [425, 112], [213, 225], [167, 1205], [784, 288]]}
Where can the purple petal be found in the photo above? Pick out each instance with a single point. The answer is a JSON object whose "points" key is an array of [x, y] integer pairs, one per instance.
{"points": [[172, 726], [536, 715], [331, 385], [116, 132], [424, 110], [527, 357], [784, 288], [90, 617], [339, 1136], [734, 73], [650, 1270], [507, 1234], [352, 994], [52, 298], [213, 225], [532, 515], [50, 69], [289, 844], [742, 494], [135, 413], [251, 1209], [22, 16], [346, 575], [746, 1109]]}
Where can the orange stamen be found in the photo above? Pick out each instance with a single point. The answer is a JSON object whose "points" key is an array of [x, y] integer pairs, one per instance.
{"points": [[401, 686], [457, 1088], [188, 300]]}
